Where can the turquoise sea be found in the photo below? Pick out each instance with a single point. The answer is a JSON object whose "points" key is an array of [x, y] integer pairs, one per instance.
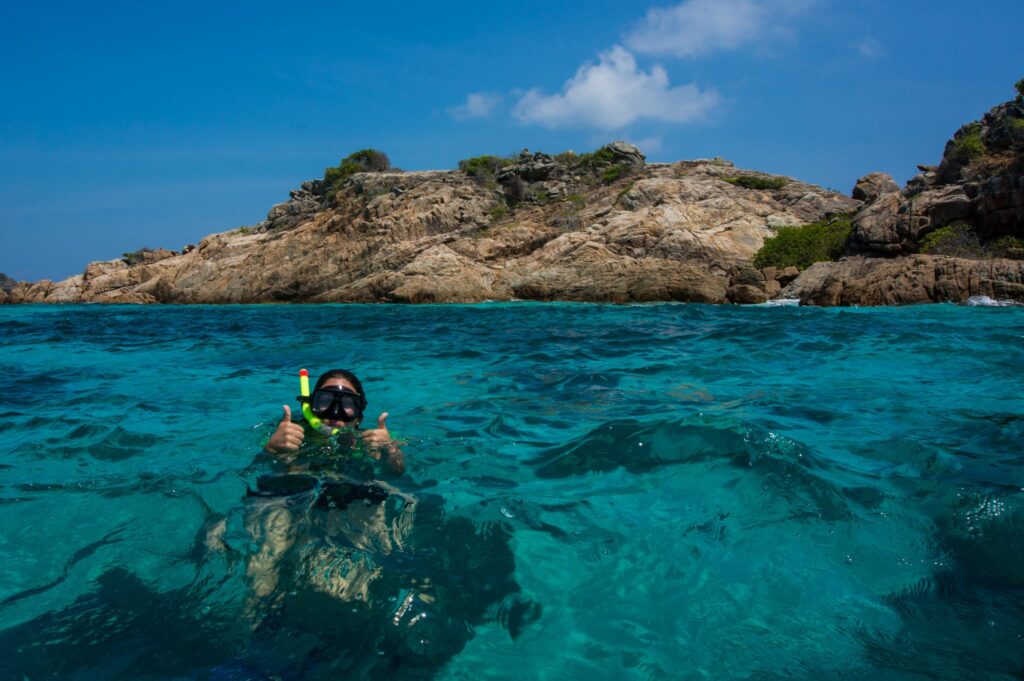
{"points": [[593, 492]]}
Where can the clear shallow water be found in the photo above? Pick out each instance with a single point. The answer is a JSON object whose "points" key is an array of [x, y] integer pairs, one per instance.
{"points": [[599, 492]]}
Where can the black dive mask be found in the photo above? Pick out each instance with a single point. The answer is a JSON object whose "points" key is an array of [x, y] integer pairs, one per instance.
{"points": [[336, 404]]}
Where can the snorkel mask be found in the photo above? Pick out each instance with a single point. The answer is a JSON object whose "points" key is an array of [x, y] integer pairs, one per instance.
{"points": [[334, 404]]}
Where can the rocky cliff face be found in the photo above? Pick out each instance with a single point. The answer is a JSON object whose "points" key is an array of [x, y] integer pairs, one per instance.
{"points": [[540, 228], [979, 182]]}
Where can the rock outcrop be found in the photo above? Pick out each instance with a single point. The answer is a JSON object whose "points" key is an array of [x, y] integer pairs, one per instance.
{"points": [[980, 182], [874, 185], [902, 281], [542, 228], [978, 187]]}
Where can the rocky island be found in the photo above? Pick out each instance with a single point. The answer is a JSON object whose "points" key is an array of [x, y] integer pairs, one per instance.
{"points": [[604, 226]]}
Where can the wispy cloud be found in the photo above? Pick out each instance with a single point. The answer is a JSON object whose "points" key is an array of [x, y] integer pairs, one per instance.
{"points": [[614, 93], [696, 28], [870, 47], [477, 105]]}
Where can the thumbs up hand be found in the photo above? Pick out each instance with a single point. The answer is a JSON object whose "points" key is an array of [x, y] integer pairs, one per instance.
{"points": [[288, 437], [376, 438], [379, 439]]}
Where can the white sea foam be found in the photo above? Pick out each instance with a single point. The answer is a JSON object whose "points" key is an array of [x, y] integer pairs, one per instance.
{"points": [[985, 301], [782, 302]]}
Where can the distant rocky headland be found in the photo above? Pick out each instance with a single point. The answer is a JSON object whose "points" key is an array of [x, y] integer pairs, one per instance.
{"points": [[604, 226]]}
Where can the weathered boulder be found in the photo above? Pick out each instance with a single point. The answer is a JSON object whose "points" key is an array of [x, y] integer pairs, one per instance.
{"points": [[745, 294], [302, 205], [528, 167], [998, 204], [881, 228], [901, 281], [624, 152], [873, 185], [786, 275], [942, 206]]}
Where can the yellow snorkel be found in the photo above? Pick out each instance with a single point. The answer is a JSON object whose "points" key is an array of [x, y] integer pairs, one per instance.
{"points": [[306, 410]]}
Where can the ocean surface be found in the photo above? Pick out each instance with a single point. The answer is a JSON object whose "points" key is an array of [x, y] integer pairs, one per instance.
{"points": [[593, 492]]}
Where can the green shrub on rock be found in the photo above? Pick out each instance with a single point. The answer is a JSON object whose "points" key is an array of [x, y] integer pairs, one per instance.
{"points": [[755, 182], [805, 245], [1019, 85], [135, 257], [612, 173], [1008, 247], [484, 167], [596, 159], [967, 143], [960, 241], [362, 161], [498, 211]]}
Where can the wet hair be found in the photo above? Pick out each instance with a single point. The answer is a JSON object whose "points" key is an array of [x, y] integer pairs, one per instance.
{"points": [[340, 373]]}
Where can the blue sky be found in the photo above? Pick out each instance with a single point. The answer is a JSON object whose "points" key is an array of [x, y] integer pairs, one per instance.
{"points": [[127, 125]]}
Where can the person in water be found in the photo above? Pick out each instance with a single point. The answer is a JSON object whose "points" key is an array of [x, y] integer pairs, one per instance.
{"points": [[338, 401], [323, 470]]}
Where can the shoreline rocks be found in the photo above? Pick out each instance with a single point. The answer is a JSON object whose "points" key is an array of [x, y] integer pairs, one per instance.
{"points": [[905, 281]]}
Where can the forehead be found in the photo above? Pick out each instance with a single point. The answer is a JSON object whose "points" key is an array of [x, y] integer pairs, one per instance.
{"points": [[338, 383]]}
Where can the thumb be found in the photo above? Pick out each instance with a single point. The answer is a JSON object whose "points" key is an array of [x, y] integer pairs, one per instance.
{"points": [[287, 418], [381, 419]]}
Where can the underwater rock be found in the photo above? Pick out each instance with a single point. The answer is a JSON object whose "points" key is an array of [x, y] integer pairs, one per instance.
{"points": [[784, 465], [985, 534]]}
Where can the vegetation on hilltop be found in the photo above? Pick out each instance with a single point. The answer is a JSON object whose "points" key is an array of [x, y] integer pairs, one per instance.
{"points": [[484, 167], [136, 257], [362, 161], [967, 143], [757, 182]]}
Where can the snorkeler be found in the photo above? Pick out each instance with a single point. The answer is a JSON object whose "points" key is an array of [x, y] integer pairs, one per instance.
{"points": [[323, 483], [336, 403]]}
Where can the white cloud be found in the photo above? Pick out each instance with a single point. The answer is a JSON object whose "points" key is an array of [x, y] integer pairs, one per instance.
{"points": [[477, 105], [614, 93], [870, 47], [699, 27]]}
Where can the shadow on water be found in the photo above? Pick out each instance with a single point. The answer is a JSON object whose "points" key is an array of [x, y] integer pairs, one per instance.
{"points": [[787, 467], [965, 620], [977, 595], [389, 589]]}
